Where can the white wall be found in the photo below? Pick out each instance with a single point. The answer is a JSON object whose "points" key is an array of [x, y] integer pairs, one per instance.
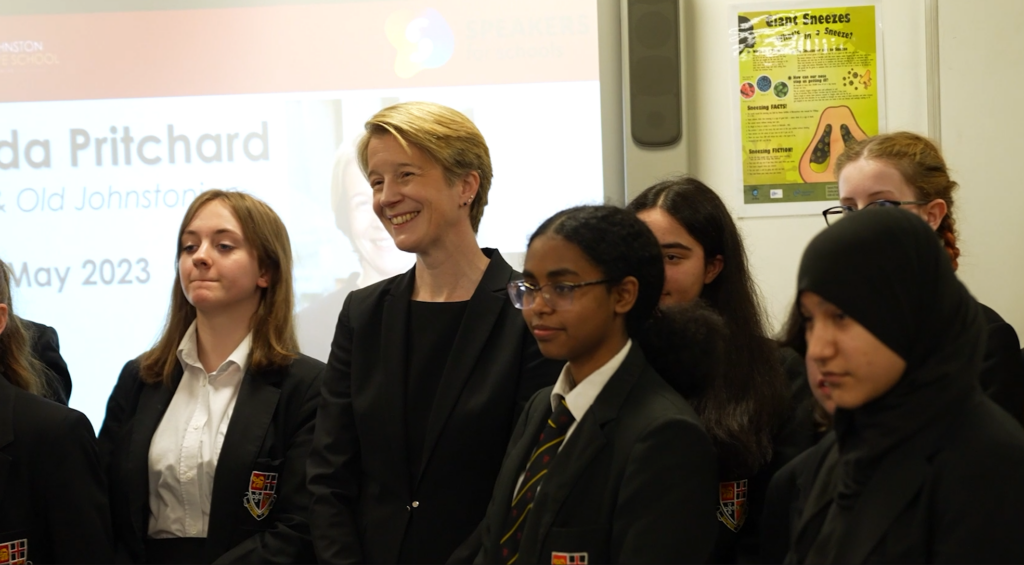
{"points": [[774, 245], [982, 126]]}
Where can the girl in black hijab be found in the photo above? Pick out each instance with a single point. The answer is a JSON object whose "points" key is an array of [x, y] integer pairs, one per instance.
{"points": [[922, 467]]}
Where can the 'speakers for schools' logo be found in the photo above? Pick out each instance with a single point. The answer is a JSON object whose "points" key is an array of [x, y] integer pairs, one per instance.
{"points": [[423, 40], [260, 498]]}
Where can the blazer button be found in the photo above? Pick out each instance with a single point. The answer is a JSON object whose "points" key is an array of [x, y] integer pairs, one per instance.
{"points": [[415, 504]]}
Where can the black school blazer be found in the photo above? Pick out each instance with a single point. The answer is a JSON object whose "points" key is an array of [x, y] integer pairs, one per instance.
{"points": [[368, 505], [52, 492], [637, 482], [955, 502], [270, 431]]}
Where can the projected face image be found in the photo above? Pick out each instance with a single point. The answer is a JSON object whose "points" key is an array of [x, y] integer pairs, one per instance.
{"points": [[411, 195], [218, 268]]}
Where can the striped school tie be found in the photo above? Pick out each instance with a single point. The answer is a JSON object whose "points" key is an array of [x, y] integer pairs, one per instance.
{"points": [[543, 455]]}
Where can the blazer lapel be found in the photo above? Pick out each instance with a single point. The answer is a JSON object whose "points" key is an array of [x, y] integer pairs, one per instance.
{"points": [[250, 420], [386, 391], [484, 307], [153, 403], [585, 442]]}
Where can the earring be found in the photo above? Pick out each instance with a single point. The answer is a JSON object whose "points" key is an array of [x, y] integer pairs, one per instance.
{"points": [[466, 203]]}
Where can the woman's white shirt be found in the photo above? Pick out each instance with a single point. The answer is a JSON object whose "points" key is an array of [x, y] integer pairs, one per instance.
{"points": [[184, 450]]}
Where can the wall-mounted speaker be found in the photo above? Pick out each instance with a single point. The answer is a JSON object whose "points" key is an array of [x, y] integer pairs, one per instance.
{"points": [[655, 86]]}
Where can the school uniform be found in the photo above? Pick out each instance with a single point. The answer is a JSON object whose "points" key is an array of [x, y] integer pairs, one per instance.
{"points": [[419, 403], [634, 479], [252, 506], [928, 470], [52, 490], [955, 499]]}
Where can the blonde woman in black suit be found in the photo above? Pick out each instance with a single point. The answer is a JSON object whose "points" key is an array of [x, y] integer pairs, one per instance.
{"points": [[207, 433], [428, 370], [51, 484]]}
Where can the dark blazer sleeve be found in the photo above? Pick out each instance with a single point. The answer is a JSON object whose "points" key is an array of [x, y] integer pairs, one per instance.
{"points": [[120, 409], [1002, 375], [288, 540], [77, 508], [46, 348], [778, 516], [665, 510], [977, 499], [334, 462]]}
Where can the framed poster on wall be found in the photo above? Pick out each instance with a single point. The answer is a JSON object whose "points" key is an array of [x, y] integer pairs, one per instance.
{"points": [[809, 82]]}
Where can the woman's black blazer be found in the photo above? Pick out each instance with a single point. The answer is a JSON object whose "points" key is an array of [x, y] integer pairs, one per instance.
{"points": [[271, 431], [955, 502], [52, 492], [368, 505]]}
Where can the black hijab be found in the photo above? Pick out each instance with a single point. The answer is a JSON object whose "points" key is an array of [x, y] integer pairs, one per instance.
{"points": [[886, 269]]}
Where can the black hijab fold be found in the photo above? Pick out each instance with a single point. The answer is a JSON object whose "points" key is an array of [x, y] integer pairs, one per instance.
{"points": [[886, 269]]}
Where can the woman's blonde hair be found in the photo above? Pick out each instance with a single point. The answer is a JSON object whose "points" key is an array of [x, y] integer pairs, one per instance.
{"points": [[921, 165], [273, 329], [447, 136], [17, 363]]}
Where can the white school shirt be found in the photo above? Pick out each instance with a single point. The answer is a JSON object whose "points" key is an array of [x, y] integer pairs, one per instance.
{"points": [[582, 396], [184, 450]]}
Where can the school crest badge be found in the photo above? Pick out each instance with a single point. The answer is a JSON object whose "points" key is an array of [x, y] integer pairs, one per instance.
{"points": [[568, 558], [14, 553], [260, 498], [732, 504]]}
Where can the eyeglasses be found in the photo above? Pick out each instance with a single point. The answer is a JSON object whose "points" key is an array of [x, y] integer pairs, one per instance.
{"points": [[557, 295], [837, 213]]}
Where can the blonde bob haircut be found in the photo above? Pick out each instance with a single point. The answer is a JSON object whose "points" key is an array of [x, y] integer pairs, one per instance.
{"points": [[273, 329], [17, 364], [447, 136]]}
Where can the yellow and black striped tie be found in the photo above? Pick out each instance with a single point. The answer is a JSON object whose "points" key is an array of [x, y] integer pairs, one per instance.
{"points": [[547, 447]]}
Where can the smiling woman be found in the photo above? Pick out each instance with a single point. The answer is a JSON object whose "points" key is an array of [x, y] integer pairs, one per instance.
{"points": [[224, 394], [423, 364]]}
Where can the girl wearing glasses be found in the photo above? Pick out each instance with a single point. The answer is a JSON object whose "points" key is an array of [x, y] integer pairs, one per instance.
{"points": [[922, 467], [906, 170], [428, 370], [745, 405], [610, 465]]}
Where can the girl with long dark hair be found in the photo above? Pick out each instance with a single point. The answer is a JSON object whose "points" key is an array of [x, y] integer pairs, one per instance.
{"points": [[744, 405]]}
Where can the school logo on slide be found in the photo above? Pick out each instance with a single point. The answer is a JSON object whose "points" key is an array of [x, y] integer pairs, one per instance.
{"points": [[732, 504], [260, 498], [423, 39], [14, 552]]}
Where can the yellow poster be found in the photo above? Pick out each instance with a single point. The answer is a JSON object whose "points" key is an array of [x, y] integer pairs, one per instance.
{"points": [[808, 87]]}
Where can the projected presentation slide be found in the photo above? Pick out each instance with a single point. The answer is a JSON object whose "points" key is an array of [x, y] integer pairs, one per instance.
{"points": [[112, 122]]}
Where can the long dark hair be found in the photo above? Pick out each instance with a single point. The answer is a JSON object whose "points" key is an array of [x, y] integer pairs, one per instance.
{"points": [[747, 403], [632, 250]]}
